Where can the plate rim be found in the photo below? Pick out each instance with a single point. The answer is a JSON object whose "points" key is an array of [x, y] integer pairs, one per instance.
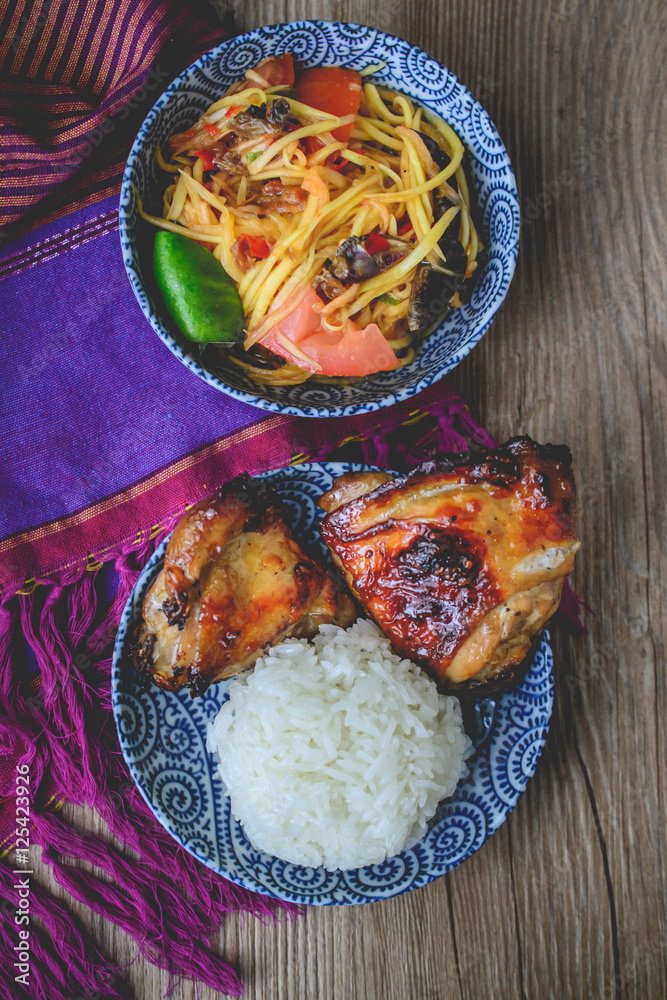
{"points": [[333, 469]]}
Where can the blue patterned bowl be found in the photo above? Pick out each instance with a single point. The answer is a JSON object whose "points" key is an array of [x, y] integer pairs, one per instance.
{"points": [[407, 69], [163, 738]]}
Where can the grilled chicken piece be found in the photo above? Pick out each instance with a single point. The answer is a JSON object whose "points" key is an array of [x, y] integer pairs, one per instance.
{"points": [[462, 561], [234, 582]]}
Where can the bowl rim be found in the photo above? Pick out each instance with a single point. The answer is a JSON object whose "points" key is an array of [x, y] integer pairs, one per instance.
{"points": [[388, 397]]}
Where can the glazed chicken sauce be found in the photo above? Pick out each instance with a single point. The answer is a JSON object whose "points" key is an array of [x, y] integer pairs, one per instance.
{"points": [[433, 553], [235, 580]]}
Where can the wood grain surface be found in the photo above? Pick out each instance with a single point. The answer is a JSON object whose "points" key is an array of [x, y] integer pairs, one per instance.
{"points": [[567, 900]]}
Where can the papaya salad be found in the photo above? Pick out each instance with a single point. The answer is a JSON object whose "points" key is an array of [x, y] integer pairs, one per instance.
{"points": [[339, 217]]}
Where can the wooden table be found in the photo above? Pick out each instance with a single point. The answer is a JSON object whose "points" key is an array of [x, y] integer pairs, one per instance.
{"points": [[567, 899]]}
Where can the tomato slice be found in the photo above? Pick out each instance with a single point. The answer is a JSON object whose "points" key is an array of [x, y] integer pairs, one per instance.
{"points": [[352, 351], [332, 89], [277, 70], [254, 246]]}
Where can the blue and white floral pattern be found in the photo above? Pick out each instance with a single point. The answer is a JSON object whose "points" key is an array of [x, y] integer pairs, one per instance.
{"points": [[163, 738], [405, 68]]}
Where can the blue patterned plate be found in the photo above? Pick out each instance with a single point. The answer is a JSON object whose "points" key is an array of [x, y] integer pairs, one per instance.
{"points": [[406, 68], [163, 737]]}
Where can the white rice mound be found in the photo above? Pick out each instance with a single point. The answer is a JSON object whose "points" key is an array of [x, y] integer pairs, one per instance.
{"points": [[335, 752]]}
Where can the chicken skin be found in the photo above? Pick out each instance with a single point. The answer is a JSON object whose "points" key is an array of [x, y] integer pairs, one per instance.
{"points": [[462, 561], [234, 582]]}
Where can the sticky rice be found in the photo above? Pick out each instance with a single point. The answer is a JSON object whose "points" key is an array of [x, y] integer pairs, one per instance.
{"points": [[335, 752]]}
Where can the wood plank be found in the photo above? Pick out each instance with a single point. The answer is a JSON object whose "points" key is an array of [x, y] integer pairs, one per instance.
{"points": [[568, 899]]}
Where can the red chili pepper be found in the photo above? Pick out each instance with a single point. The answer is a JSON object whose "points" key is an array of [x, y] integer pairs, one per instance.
{"points": [[375, 243], [336, 162], [404, 225], [208, 162], [211, 129], [232, 110], [254, 246]]}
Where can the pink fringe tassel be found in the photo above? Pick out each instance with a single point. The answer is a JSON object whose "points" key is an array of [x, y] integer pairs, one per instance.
{"points": [[168, 902]]}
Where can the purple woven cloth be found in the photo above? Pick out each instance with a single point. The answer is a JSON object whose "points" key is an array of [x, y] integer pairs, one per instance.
{"points": [[106, 439], [95, 399], [86, 417]]}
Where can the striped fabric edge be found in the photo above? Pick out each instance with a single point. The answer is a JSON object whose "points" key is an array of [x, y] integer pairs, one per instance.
{"points": [[82, 119], [74, 236], [70, 545], [93, 530], [110, 54], [83, 192]]}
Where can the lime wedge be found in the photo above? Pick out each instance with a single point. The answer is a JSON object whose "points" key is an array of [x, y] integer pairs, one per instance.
{"points": [[199, 295]]}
